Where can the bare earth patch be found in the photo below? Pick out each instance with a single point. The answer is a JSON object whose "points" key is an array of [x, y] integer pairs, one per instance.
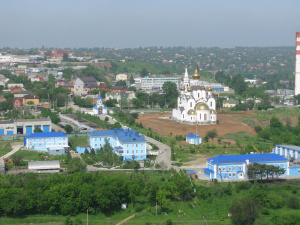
{"points": [[165, 126]]}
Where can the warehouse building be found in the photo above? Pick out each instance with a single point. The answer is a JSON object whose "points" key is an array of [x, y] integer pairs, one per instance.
{"points": [[24, 126], [44, 140], [44, 166], [288, 151]]}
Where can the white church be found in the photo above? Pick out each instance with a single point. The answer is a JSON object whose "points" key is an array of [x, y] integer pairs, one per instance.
{"points": [[99, 108], [195, 104]]}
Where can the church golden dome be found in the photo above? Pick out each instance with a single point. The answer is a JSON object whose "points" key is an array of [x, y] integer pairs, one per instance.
{"points": [[201, 106], [209, 88], [196, 75], [182, 88], [189, 89], [212, 111], [192, 112]]}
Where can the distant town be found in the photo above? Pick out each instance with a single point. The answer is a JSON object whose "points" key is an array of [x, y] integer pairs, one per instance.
{"points": [[150, 134]]}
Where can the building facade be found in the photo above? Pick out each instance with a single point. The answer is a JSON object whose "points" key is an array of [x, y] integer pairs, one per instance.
{"points": [[288, 151], [44, 140], [128, 144], [236, 166], [193, 139], [195, 104], [157, 81], [24, 126]]}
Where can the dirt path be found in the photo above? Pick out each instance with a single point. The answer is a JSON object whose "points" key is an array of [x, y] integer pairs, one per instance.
{"points": [[124, 221]]}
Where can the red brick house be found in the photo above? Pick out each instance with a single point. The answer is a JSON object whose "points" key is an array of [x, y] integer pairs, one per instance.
{"points": [[18, 102]]}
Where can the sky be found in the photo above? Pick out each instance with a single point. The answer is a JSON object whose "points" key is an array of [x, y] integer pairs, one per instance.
{"points": [[148, 23]]}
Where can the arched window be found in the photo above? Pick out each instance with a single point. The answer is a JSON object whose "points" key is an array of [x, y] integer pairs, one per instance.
{"points": [[198, 95], [190, 104], [183, 116], [200, 116], [210, 104], [204, 116]]}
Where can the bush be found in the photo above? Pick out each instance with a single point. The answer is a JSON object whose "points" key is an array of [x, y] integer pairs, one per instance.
{"points": [[293, 202]]}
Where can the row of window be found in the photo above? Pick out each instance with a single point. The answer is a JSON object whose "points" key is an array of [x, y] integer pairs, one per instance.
{"points": [[40, 144], [137, 151], [230, 168], [44, 139]]}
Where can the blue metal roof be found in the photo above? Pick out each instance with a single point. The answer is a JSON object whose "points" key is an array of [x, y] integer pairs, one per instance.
{"points": [[208, 170], [118, 148], [46, 134], [292, 147], [239, 159], [124, 135], [191, 172], [192, 135]]}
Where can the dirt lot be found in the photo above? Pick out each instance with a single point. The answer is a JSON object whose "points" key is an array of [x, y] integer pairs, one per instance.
{"points": [[163, 125]]}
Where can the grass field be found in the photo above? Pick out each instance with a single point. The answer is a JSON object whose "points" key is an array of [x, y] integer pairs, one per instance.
{"points": [[32, 155]]}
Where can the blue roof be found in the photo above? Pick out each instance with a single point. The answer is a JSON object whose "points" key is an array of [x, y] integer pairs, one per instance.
{"points": [[292, 147], [124, 135], [46, 134], [208, 170], [192, 135], [118, 148], [99, 97], [191, 172], [233, 159]]}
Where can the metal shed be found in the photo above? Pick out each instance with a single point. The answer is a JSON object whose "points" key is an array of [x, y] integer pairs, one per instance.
{"points": [[44, 166]]}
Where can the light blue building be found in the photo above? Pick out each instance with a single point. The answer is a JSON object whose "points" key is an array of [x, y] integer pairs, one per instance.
{"points": [[288, 151], [235, 166], [193, 139], [125, 142], [44, 140]]}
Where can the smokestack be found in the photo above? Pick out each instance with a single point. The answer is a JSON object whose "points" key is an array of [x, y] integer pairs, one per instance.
{"points": [[297, 65]]}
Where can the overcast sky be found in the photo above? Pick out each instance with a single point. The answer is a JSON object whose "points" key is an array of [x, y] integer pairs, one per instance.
{"points": [[145, 23]]}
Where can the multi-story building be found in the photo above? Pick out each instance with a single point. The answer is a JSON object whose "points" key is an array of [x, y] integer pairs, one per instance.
{"points": [[288, 151], [128, 144], [236, 166], [45, 140], [157, 81]]}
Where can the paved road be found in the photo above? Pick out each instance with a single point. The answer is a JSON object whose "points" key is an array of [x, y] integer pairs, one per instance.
{"points": [[164, 154], [15, 148]]}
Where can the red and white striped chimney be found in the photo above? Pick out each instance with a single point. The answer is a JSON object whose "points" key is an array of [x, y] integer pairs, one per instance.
{"points": [[297, 64]]}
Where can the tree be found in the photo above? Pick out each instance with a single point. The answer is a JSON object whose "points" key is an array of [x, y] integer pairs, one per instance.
{"points": [[17, 159], [170, 89], [244, 210], [132, 88], [144, 72], [239, 84], [76, 165], [212, 134], [275, 123], [37, 130], [68, 129], [65, 57], [131, 80], [121, 83], [265, 134]]}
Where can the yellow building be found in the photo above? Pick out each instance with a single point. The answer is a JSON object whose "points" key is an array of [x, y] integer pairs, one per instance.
{"points": [[31, 99]]}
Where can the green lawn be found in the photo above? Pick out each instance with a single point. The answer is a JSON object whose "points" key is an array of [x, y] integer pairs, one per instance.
{"points": [[5, 147], [32, 155]]}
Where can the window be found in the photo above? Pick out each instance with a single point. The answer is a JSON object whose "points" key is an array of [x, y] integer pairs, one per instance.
{"points": [[136, 151], [224, 168], [127, 146], [233, 174], [142, 151], [57, 150], [298, 171], [283, 165], [100, 139], [233, 168], [240, 168], [220, 169], [132, 145], [132, 151], [136, 145], [190, 104], [229, 174], [127, 151], [229, 168], [95, 145]]}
